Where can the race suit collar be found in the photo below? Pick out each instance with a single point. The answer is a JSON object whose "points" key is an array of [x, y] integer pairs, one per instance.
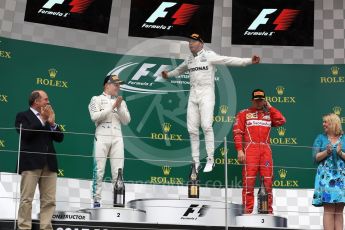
{"points": [[108, 96], [252, 108], [198, 53]]}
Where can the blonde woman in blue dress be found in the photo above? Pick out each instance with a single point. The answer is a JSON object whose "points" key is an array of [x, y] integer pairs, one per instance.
{"points": [[328, 153]]}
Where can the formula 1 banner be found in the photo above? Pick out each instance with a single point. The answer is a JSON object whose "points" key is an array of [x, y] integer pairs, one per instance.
{"points": [[279, 22], [174, 18], [91, 15], [157, 147]]}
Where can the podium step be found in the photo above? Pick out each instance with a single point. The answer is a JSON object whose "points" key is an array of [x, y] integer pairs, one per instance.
{"points": [[129, 215], [261, 221]]}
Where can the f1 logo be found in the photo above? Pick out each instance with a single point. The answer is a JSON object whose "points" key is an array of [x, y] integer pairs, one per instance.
{"points": [[51, 3], [283, 21], [202, 211], [160, 12], [78, 6], [181, 16]]}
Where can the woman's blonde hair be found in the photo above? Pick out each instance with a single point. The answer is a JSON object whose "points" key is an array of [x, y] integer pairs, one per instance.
{"points": [[334, 122]]}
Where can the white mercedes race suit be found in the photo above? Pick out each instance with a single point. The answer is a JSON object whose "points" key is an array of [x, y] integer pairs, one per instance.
{"points": [[201, 101], [108, 140]]}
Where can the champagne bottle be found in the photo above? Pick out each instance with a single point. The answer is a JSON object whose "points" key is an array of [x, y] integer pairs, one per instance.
{"points": [[119, 190], [262, 198], [193, 183]]}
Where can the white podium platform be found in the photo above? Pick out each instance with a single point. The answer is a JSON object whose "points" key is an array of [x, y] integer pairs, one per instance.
{"points": [[128, 215], [187, 211], [261, 220]]}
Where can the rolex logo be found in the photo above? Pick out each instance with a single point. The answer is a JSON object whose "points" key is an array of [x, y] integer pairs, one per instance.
{"points": [[2, 143], [281, 131], [61, 172], [280, 90], [282, 173], [282, 139], [4, 98], [223, 109], [165, 135], [62, 128], [337, 110], [52, 72], [224, 116], [335, 70], [166, 170], [281, 97], [166, 127], [51, 81], [5, 54], [165, 179], [223, 151]]}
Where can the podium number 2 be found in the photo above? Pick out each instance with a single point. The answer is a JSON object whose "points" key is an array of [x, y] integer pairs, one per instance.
{"points": [[262, 220], [118, 214]]}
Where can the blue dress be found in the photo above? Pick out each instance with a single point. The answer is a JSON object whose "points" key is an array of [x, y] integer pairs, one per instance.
{"points": [[330, 176]]}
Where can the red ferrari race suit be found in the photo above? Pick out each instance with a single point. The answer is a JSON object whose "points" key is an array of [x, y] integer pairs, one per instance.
{"points": [[251, 133]]}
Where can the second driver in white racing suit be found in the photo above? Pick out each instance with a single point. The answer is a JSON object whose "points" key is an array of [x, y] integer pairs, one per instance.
{"points": [[201, 67], [109, 112]]}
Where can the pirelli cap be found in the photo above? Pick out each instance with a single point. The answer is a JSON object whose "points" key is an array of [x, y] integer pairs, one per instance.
{"points": [[196, 37], [258, 94], [113, 79]]}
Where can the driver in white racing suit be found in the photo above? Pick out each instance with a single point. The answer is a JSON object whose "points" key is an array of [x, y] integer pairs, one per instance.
{"points": [[108, 111], [201, 67]]}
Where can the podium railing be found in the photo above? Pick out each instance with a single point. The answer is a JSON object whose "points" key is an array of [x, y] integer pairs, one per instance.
{"points": [[225, 143]]}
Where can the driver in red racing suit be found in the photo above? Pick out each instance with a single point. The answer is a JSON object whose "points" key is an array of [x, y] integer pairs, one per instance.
{"points": [[251, 133]]}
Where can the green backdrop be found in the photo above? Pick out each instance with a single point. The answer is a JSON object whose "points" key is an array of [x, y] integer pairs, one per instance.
{"points": [[156, 141]]}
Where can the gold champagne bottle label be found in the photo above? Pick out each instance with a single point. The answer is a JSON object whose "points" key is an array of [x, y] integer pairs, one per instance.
{"points": [[194, 190], [264, 206]]}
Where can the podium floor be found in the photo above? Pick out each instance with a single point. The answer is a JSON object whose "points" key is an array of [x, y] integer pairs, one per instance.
{"points": [[98, 225]]}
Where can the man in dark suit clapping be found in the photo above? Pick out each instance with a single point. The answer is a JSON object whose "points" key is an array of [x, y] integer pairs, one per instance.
{"points": [[37, 162]]}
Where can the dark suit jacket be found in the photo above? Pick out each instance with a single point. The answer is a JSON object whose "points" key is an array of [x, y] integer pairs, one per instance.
{"points": [[36, 148]]}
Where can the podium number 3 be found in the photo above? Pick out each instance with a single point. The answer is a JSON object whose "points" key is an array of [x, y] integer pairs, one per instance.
{"points": [[262, 220]]}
